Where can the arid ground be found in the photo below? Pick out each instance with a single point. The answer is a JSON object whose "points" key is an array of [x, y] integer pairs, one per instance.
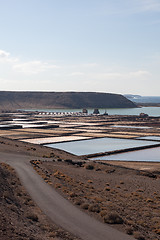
{"points": [[124, 195], [21, 218], [127, 199]]}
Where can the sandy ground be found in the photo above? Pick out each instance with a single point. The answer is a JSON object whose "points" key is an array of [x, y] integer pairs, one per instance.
{"points": [[109, 192], [153, 167]]}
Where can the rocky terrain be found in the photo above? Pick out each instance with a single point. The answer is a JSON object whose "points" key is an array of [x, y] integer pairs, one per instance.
{"points": [[20, 217], [125, 198]]}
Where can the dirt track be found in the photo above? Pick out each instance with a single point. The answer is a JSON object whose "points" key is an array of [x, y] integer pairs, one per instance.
{"points": [[56, 207]]}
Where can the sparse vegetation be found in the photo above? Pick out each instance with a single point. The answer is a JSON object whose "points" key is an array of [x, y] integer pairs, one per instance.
{"points": [[20, 217], [113, 218], [112, 198], [85, 206], [42, 100], [32, 216], [89, 167]]}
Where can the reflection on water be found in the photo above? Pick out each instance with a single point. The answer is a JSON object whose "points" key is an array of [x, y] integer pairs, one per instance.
{"points": [[99, 145], [152, 154]]}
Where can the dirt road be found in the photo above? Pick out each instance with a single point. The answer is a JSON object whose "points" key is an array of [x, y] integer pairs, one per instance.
{"points": [[58, 209]]}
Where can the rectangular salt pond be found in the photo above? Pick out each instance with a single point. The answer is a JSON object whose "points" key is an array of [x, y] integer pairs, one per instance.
{"points": [[49, 140], [128, 126], [99, 145], [151, 155], [154, 138]]}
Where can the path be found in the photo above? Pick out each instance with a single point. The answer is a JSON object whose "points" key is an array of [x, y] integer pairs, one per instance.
{"points": [[57, 208]]}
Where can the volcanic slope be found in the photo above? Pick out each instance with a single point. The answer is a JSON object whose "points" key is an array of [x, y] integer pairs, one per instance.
{"points": [[23, 100]]}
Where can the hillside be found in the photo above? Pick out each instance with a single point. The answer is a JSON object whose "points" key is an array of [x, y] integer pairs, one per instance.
{"points": [[20, 217], [41, 100]]}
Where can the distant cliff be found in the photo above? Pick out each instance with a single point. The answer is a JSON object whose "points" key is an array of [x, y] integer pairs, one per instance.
{"points": [[40, 100]]}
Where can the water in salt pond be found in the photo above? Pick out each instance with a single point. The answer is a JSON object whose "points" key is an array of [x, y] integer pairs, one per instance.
{"points": [[99, 145], [109, 144], [152, 154], [153, 138]]}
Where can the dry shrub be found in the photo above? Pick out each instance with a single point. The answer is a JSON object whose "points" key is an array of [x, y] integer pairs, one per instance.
{"points": [[78, 202], [94, 208], [98, 199], [72, 194], [69, 161], [52, 154], [113, 218], [149, 200], [107, 189], [129, 230], [52, 235], [138, 236], [157, 231], [46, 156], [57, 185], [19, 194], [110, 170], [103, 213], [59, 159], [140, 190], [85, 205], [98, 169], [135, 194], [89, 167], [32, 217], [90, 181]]}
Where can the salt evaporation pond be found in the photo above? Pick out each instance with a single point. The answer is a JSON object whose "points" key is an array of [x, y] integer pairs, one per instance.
{"points": [[150, 155], [128, 126], [99, 145], [154, 138]]}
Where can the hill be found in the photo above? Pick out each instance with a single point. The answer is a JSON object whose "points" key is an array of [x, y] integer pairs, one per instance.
{"points": [[40, 100]]}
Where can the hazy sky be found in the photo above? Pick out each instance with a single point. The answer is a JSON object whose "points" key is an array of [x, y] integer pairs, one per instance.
{"points": [[80, 45]]}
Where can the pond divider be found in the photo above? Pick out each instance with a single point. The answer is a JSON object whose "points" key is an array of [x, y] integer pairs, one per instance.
{"points": [[119, 151]]}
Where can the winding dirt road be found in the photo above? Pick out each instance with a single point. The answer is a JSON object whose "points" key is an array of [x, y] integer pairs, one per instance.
{"points": [[58, 209]]}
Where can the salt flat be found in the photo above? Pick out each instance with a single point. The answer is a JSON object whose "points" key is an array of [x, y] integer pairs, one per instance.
{"points": [[55, 139]]}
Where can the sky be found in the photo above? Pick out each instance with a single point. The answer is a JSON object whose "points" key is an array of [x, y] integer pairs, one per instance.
{"points": [[87, 45]]}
